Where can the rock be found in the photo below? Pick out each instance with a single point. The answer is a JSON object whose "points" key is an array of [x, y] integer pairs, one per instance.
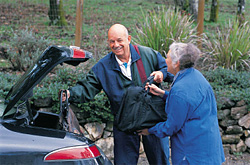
{"points": [[238, 112], [230, 139], [95, 130], [228, 122], [247, 142], [227, 148], [109, 126], [106, 134], [227, 103], [240, 103], [241, 146], [222, 114], [245, 121], [232, 148], [107, 145], [234, 130], [247, 133]]}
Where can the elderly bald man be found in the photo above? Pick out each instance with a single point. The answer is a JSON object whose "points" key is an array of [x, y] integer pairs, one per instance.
{"points": [[114, 74]]}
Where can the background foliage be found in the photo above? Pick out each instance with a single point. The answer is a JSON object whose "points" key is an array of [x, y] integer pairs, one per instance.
{"points": [[159, 28], [231, 84], [25, 48], [229, 47], [25, 31]]}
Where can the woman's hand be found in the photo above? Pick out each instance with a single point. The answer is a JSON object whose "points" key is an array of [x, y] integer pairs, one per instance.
{"points": [[143, 132], [155, 90]]}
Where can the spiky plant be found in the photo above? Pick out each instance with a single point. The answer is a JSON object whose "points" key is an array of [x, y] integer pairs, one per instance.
{"points": [[159, 28], [230, 46]]}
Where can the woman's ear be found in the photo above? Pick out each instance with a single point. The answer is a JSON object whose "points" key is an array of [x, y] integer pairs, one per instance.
{"points": [[177, 66]]}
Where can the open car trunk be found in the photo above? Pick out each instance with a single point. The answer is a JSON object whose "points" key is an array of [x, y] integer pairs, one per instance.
{"points": [[17, 99]]}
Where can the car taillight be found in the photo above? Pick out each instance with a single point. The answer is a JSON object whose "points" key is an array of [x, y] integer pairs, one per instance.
{"points": [[78, 152], [78, 53]]}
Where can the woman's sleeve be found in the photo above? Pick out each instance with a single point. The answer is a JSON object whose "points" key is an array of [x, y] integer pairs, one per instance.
{"points": [[177, 110]]}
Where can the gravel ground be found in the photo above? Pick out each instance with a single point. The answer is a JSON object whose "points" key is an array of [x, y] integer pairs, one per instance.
{"points": [[243, 159]]}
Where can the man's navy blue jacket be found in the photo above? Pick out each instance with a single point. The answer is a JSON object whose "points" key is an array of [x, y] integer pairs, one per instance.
{"points": [[106, 75]]}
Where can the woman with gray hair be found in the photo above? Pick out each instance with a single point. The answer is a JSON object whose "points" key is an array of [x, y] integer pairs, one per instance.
{"points": [[192, 122]]}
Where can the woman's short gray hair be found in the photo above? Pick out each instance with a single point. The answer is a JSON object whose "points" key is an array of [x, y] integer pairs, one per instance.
{"points": [[186, 53]]}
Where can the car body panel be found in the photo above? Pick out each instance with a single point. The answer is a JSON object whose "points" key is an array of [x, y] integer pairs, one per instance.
{"points": [[27, 139]]}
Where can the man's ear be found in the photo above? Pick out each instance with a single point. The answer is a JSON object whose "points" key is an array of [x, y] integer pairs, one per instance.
{"points": [[129, 38]]}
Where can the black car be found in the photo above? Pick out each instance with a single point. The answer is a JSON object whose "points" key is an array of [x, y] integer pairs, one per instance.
{"points": [[28, 136]]}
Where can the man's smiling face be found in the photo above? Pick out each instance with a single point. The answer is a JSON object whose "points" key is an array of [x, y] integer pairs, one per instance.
{"points": [[119, 41]]}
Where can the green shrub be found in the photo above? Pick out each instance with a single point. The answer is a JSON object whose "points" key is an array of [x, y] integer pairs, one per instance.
{"points": [[230, 84], [7, 81], [229, 47], [25, 48], [225, 82], [97, 110], [158, 29]]}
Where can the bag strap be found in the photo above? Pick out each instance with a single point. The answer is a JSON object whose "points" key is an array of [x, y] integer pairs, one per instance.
{"points": [[140, 66]]}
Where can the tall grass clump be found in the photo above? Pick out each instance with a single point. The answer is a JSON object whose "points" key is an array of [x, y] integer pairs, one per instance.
{"points": [[158, 29], [230, 47]]}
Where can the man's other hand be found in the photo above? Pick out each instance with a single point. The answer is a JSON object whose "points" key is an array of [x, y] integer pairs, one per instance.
{"points": [[158, 76], [63, 95]]}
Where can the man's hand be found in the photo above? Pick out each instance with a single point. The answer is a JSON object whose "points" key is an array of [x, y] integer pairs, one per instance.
{"points": [[155, 90], [158, 76], [143, 132], [64, 95]]}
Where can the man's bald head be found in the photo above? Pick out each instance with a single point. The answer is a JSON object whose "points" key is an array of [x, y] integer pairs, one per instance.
{"points": [[118, 28]]}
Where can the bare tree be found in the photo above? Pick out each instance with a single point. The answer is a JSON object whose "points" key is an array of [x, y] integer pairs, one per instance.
{"points": [[241, 11], [56, 13], [214, 13]]}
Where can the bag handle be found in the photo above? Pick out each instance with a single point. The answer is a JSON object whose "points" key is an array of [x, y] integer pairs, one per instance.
{"points": [[150, 80], [140, 66], [141, 70]]}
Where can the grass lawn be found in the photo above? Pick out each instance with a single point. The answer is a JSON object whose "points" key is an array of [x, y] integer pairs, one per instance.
{"points": [[98, 16]]}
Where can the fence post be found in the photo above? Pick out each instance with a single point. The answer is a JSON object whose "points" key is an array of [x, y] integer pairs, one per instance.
{"points": [[79, 17], [200, 20]]}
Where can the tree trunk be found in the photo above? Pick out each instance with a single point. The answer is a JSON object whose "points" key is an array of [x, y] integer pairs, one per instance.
{"points": [[182, 5], [193, 8], [241, 12], [56, 13], [214, 13]]}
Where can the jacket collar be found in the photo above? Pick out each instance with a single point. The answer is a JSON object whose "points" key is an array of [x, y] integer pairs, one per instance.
{"points": [[134, 57], [180, 74]]}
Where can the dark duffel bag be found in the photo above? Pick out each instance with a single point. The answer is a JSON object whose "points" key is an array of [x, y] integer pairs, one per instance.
{"points": [[140, 109]]}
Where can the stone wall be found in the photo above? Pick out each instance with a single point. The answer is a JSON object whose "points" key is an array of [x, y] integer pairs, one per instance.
{"points": [[234, 122]]}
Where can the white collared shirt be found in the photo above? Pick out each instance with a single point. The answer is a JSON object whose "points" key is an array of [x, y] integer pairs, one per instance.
{"points": [[125, 71]]}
